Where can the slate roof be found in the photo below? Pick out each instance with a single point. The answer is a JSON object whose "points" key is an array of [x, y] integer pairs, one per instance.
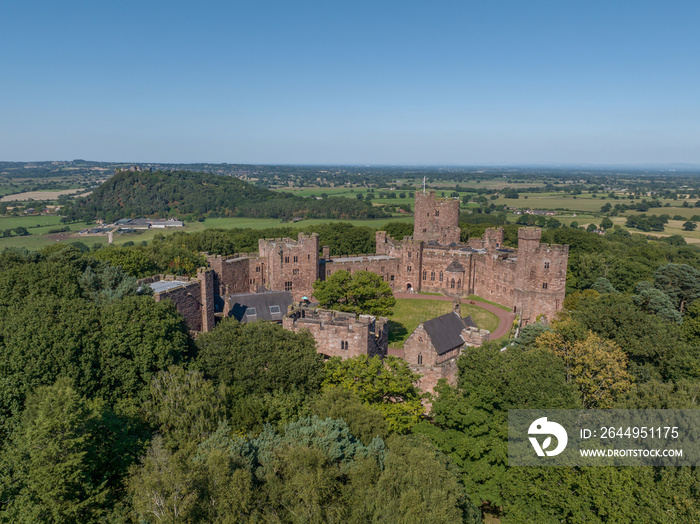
{"points": [[244, 304], [469, 322], [455, 267], [444, 331]]}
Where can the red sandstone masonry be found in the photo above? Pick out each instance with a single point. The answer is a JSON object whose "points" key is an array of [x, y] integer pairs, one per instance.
{"points": [[291, 265], [339, 334], [194, 300], [436, 219], [531, 279]]}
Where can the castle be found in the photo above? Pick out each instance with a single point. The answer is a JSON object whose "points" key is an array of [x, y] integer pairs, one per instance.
{"points": [[530, 279]]}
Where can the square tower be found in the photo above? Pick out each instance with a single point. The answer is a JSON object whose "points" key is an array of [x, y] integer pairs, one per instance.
{"points": [[436, 219], [290, 265]]}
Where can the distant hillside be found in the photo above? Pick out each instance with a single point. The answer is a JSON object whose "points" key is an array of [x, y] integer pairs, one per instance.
{"points": [[182, 193]]}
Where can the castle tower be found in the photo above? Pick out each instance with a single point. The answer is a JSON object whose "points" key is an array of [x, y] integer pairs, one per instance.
{"points": [[291, 265], [436, 219], [540, 280], [493, 238]]}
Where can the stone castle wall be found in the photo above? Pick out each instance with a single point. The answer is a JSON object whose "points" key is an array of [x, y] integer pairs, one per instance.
{"points": [[343, 335], [231, 274], [387, 268], [434, 275], [494, 278], [194, 300]]}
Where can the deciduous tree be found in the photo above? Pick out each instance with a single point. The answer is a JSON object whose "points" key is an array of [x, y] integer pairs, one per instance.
{"points": [[362, 292]]}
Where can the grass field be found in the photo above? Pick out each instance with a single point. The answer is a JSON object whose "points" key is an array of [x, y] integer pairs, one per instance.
{"points": [[29, 221], [408, 313], [38, 195]]}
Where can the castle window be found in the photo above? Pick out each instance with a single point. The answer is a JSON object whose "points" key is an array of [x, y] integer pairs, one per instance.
{"points": [[432, 276], [420, 359], [251, 281], [274, 309], [425, 274], [328, 272], [437, 213], [452, 283], [296, 259], [392, 278], [408, 269], [344, 345], [295, 271], [546, 265], [288, 286], [425, 230], [459, 283], [544, 285], [286, 260], [409, 254], [250, 312], [257, 269], [441, 276]]}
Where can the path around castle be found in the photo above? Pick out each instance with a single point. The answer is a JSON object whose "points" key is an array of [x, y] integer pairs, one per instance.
{"points": [[505, 318]]}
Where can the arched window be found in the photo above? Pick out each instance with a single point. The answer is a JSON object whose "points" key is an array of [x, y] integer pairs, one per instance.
{"points": [[425, 274], [440, 276], [459, 283], [452, 283], [420, 359], [432, 276]]}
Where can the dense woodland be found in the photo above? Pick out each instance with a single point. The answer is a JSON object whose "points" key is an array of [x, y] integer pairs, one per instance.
{"points": [[132, 194], [111, 412]]}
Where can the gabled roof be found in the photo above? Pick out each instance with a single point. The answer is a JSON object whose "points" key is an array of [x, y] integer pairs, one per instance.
{"points": [[469, 322], [445, 331], [244, 304], [455, 267]]}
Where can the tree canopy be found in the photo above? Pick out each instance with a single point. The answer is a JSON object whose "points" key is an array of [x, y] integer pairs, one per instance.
{"points": [[363, 292]]}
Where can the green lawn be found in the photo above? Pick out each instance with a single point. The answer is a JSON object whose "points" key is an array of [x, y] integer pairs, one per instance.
{"points": [[408, 313]]}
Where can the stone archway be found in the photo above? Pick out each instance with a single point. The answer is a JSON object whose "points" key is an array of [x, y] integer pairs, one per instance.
{"points": [[409, 287]]}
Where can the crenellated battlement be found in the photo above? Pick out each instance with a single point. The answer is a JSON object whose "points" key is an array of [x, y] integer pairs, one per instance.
{"points": [[339, 333]]}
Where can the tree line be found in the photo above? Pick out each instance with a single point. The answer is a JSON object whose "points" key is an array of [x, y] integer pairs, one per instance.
{"points": [[131, 194]]}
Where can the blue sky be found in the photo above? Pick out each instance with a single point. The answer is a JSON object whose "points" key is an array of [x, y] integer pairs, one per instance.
{"points": [[380, 82]]}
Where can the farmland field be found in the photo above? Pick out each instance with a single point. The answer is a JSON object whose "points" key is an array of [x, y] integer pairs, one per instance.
{"points": [[39, 195], [38, 237]]}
